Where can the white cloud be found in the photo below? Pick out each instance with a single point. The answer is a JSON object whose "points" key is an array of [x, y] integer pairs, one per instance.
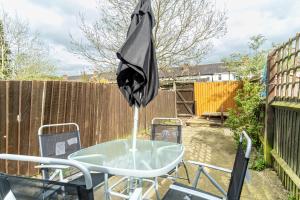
{"points": [[36, 15], [55, 19], [277, 20], [64, 59]]}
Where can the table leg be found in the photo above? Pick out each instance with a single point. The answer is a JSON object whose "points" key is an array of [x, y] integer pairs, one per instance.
{"points": [[140, 183], [131, 185], [106, 192]]}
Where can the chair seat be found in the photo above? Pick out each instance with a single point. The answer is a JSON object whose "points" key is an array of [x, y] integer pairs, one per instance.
{"points": [[97, 178], [180, 191], [24, 188]]}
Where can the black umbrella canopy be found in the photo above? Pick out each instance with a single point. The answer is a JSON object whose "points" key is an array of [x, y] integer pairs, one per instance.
{"points": [[137, 74]]}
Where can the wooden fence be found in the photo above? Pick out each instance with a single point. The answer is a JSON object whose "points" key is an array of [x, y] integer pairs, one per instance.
{"points": [[215, 96], [100, 110], [282, 133]]}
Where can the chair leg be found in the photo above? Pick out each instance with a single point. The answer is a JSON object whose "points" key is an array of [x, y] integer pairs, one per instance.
{"points": [[186, 172], [156, 189], [128, 185], [45, 174], [214, 182], [200, 169], [61, 176]]}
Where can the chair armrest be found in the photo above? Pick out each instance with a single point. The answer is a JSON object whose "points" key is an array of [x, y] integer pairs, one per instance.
{"points": [[51, 167], [52, 161], [201, 169], [210, 166]]}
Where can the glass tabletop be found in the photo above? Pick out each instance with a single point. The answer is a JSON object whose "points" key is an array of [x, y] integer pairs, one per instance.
{"points": [[152, 158]]}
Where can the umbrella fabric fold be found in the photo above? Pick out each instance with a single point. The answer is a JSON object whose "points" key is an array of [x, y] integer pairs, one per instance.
{"points": [[137, 74]]}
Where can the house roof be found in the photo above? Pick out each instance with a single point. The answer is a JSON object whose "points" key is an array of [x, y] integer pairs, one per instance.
{"points": [[182, 71], [104, 75], [186, 70], [209, 69], [77, 77]]}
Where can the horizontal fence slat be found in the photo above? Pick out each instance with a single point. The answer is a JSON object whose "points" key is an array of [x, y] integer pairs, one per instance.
{"points": [[286, 168]]}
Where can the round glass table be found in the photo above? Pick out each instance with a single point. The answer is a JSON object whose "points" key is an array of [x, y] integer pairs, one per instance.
{"points": [[151, 158]]}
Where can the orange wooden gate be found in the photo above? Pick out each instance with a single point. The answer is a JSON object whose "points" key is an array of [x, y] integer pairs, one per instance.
{"points": [[215, 96]]}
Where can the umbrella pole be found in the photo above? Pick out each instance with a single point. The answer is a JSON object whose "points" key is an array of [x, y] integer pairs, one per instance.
{"points": [[135, 126]]}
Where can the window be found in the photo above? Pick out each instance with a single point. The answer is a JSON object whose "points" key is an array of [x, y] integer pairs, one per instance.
{"points": [[219, 77], [234, 76]]}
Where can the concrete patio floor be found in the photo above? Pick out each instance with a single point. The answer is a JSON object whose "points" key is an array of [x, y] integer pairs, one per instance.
{"points": [[215, 145]]}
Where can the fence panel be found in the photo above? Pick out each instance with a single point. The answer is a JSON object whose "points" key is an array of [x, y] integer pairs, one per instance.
{"points": [[100, 110], [215, 96], [282, 135]]}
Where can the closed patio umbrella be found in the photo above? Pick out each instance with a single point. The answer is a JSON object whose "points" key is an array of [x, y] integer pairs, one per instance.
{"points": [[137, 74]]}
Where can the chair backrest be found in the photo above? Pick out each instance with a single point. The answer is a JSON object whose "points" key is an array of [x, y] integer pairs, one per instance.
{"points": [[59, 145], [5, 189], [17, 187], [240, 168], [166, 129]]}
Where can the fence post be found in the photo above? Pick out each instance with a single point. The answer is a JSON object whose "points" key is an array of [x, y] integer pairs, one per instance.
{"points": [[269, 117]]}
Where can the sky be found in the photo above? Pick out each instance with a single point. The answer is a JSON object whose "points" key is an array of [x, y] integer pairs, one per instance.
{"points": [[277, 20]]}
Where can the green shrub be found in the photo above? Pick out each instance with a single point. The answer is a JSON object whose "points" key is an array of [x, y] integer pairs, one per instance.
{"points": [[259, 163], [291, 197], [247, 114]]}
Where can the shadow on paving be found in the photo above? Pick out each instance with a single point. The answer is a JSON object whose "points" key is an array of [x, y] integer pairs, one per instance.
{"points": [[215, 145]]}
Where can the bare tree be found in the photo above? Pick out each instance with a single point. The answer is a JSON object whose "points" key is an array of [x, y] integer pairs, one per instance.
{"points": [[183, 32], [29, 56], [4, 48]]}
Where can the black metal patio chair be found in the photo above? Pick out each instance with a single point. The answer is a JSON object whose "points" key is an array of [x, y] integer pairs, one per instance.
{"points": [[166, 129], [61, 145], [24, 188], [169, 130], [180, 191]]}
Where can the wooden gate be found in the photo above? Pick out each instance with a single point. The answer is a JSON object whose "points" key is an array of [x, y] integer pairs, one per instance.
{"points": [[214, 97], [185, 100]]}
